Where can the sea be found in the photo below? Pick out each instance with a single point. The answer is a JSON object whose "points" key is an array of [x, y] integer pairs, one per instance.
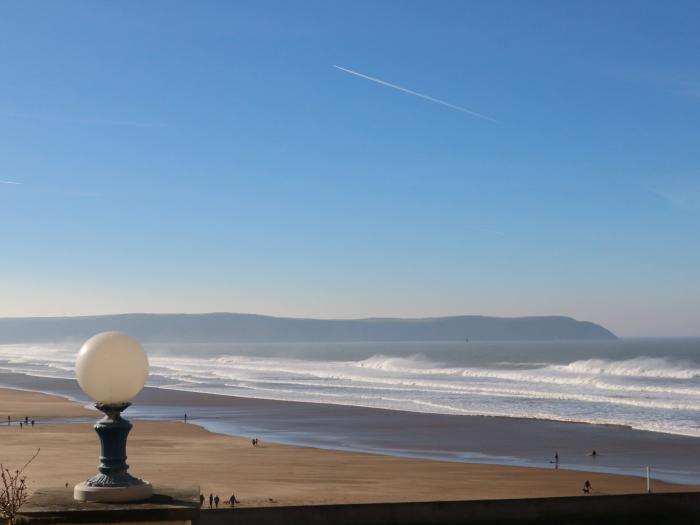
{"points": [[645, 384]]}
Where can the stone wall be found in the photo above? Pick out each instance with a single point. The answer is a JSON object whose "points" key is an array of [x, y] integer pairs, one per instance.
{"points": [[633, 509], [182, 506]]}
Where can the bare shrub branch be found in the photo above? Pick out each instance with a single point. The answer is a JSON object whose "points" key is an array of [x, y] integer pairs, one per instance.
{"points": [[13, 491]]}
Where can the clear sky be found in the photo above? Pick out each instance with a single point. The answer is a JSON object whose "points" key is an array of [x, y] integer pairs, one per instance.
{"points": [[207, 156]]}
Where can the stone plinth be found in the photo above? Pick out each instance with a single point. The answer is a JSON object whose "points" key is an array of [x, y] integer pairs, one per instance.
{"points": [[168, 505], [140, 492]]}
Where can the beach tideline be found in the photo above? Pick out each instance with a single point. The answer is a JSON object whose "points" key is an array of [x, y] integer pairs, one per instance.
{"points": [[173, 453]]}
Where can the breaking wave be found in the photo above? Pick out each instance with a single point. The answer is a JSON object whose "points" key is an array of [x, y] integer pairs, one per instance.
{"points": [[652, 393], [654, 367]]}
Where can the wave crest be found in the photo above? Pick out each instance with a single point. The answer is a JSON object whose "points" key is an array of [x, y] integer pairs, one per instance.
{"points": [[415, 364], [651, 367]]}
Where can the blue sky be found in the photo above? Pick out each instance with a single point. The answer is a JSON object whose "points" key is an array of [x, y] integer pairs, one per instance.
{"points": [[195, 157]]}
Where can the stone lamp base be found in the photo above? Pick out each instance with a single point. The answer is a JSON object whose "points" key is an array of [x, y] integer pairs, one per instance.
{"points": [[113, 483], [85, 492]]}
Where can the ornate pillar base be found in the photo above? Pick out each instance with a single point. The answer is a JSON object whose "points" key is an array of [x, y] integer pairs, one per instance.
{"points": [[113, 483], [85, 492]]}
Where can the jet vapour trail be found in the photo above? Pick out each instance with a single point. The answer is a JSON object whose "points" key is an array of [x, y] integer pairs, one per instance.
{"points": [[10, 182], [410, 92]]}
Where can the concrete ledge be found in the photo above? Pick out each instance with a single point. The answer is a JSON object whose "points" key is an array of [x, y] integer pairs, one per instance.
{"points": [[181, 506], [168, 504], [634, 509]]}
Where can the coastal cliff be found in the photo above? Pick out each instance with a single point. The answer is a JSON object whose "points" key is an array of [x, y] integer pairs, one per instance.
{"points": [[233, 327]]}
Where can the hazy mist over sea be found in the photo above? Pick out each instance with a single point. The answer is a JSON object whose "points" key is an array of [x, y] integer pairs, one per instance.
{"points": [[649, 384]]}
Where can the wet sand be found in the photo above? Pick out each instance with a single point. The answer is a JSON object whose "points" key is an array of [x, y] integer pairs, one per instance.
{"points": [[272, 473]]}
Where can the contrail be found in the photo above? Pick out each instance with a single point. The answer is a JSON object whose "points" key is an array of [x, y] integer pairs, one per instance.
{"points": [[410, 92], [11, 182]]}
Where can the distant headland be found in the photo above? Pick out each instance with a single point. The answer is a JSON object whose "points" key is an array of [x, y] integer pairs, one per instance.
{"points": [[235, 328]]}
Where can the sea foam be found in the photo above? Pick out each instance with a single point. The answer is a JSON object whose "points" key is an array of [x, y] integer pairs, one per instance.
{"points": [[652, 393]]}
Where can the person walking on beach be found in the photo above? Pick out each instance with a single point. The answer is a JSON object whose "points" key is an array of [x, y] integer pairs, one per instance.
{"points": [[26, 420], [216, 501], [211, 500], [20, 424], [232, 500], [201, 500], [185, 419], [32, 423], [587, 487]]}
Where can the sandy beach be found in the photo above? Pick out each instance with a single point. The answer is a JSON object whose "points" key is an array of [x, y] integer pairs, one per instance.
{"points": [[271, 474], [519, 442], [18, 404]]}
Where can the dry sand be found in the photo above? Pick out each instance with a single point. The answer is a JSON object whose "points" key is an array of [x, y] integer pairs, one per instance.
{"points": [[271, 474], [19, 404]]}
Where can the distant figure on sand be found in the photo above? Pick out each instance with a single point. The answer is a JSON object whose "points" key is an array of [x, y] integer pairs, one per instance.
{"points": [[201, 500], [556, 459], [255, 442], [32, 423], [185, 419], [211, 500], [20, 424], [232, 500], [587, 487], [216, 501], [26, 420]]}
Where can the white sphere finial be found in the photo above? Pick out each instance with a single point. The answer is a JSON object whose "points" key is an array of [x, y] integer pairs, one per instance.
{"points": [[111, 368]]}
